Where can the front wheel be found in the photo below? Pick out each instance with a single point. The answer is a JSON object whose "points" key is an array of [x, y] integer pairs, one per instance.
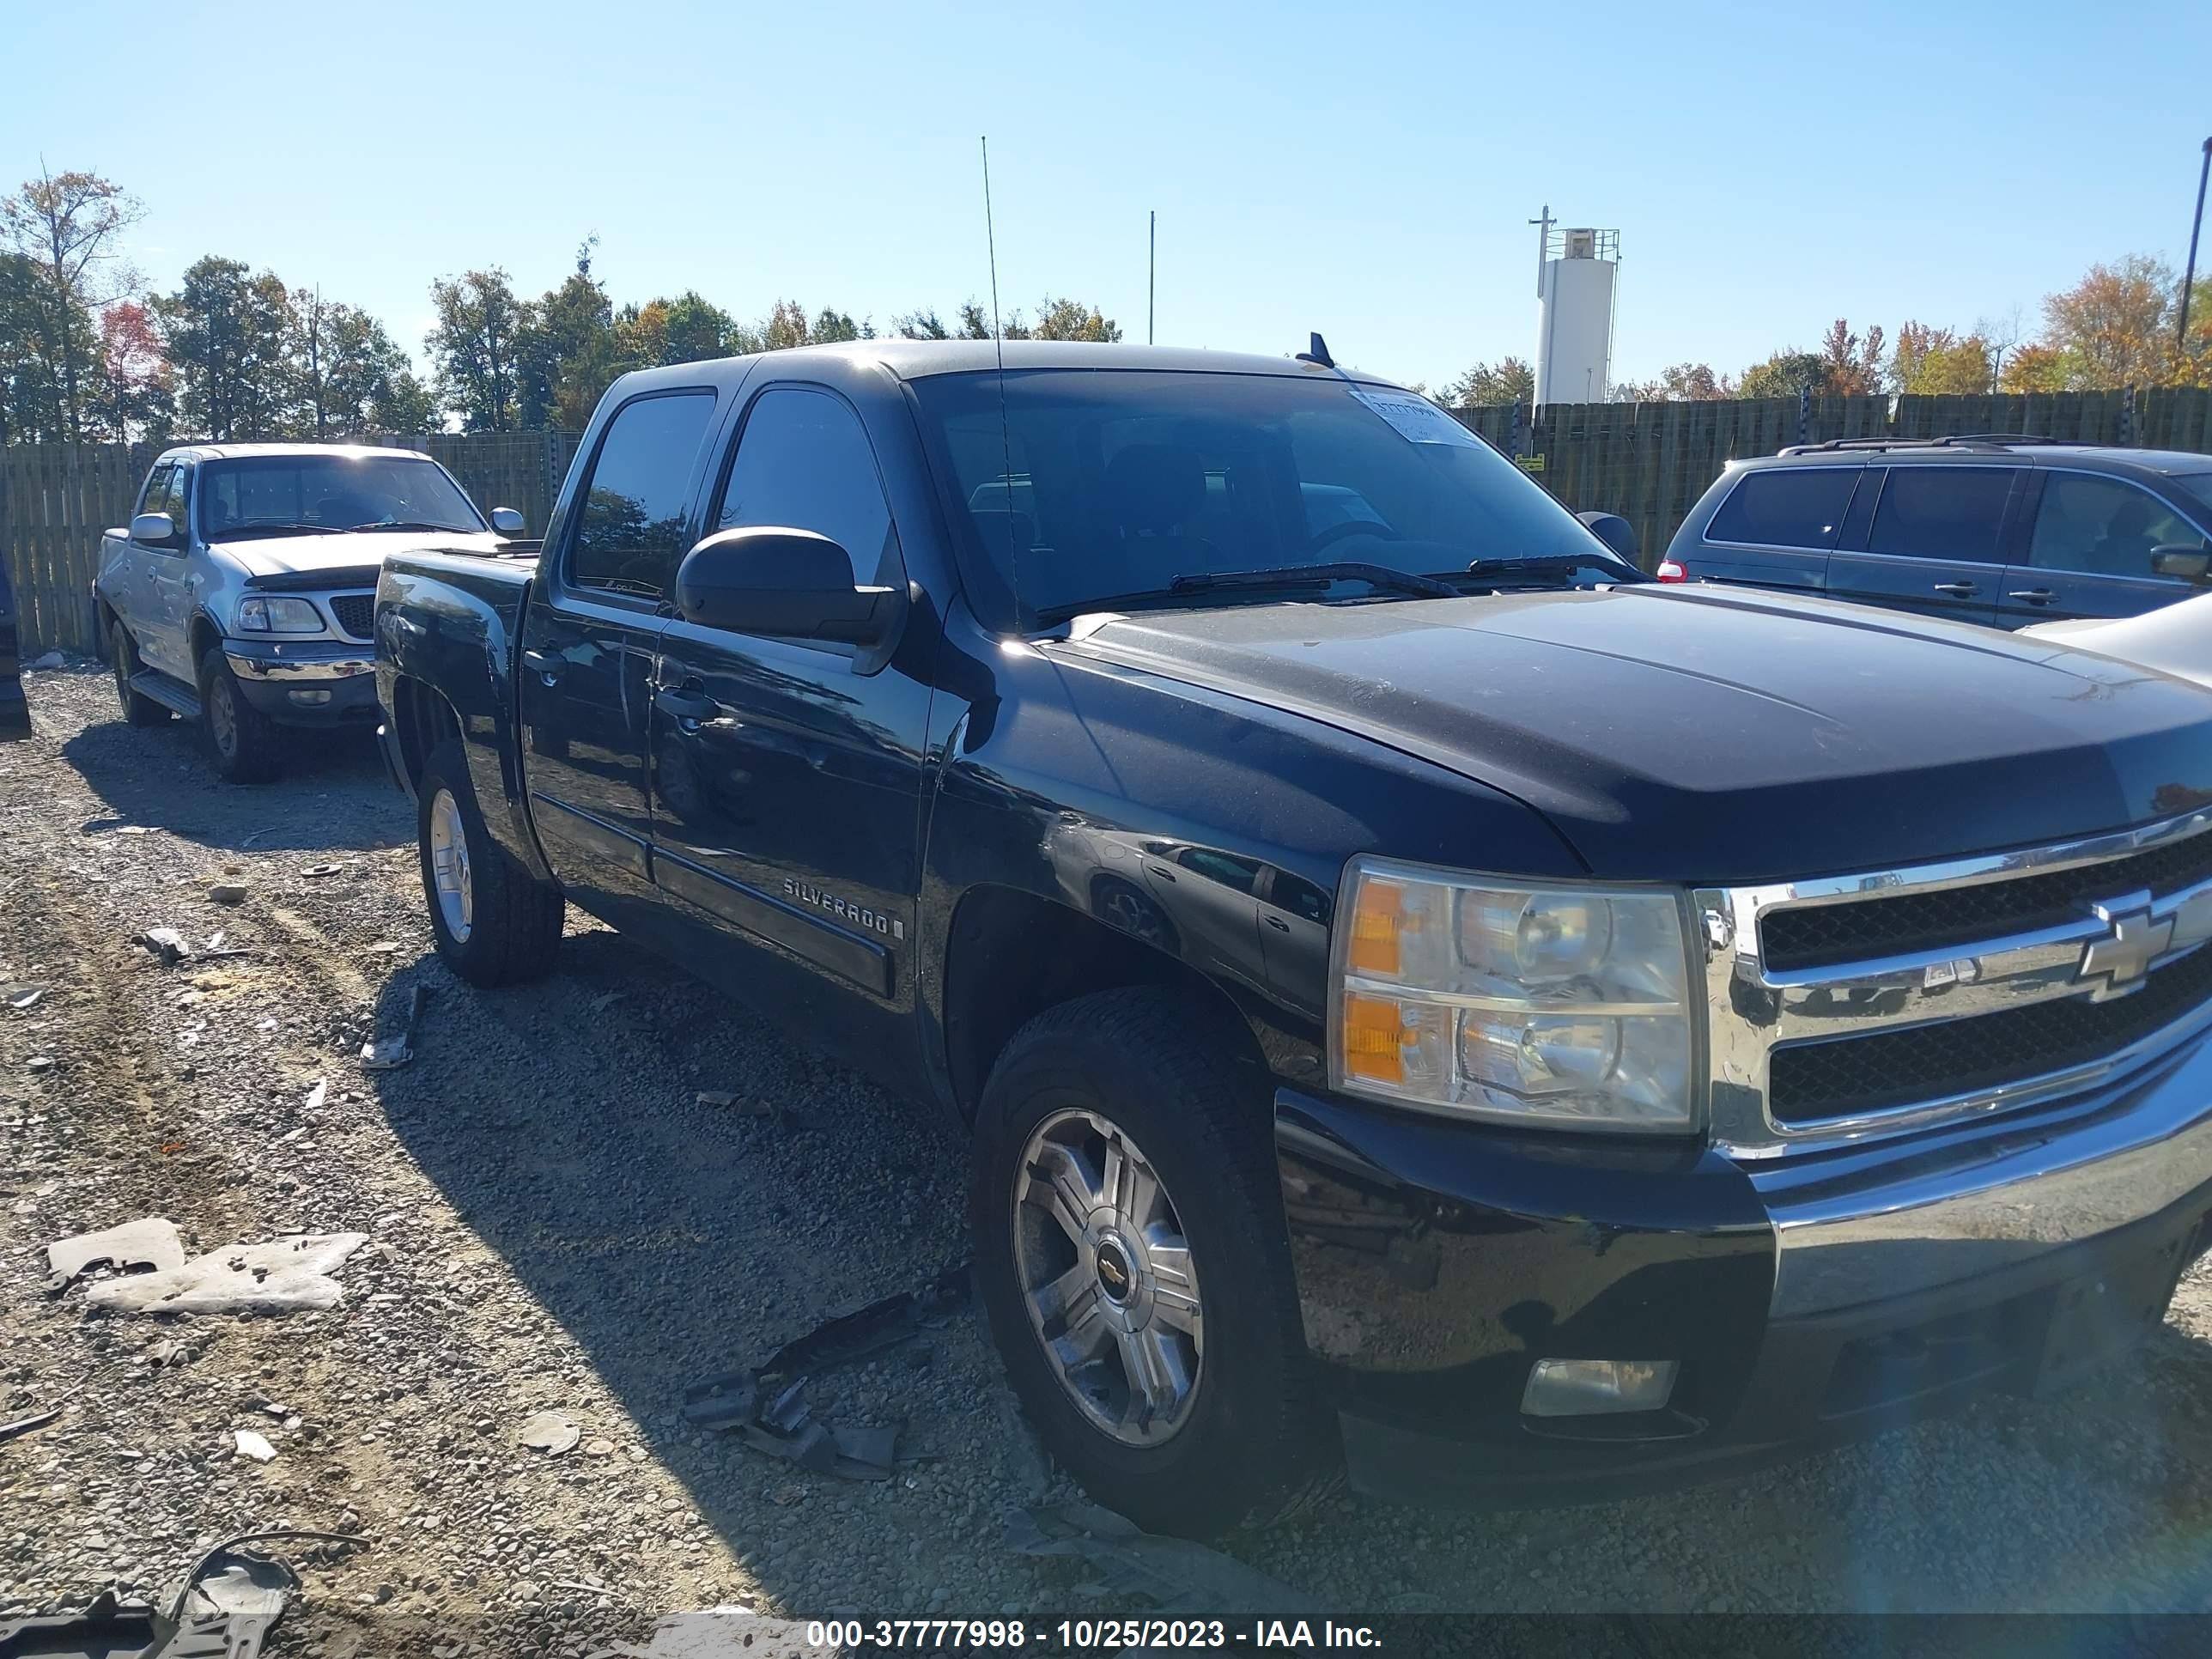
{"points": [[492, 921], [245, 744], [1133, 1262]]}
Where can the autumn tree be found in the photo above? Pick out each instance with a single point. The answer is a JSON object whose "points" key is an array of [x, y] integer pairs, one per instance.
{"points": [[684, 329], [2114, 327], [1070, 320], [1852, 366], [1508, 381], [1679, 384], [132, 390], [473, 347], [2035, 367], [67, 228]]}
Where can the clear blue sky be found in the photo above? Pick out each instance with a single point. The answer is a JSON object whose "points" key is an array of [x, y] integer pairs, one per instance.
{"points": [[1364, 169]]}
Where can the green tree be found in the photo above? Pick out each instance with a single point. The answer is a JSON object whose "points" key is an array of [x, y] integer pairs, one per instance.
{"points": [[567, 351], [228, 335], [347, 364], [1508, 381], [684, 329], [975, 325], [921, 325], [473, 347], [1785, 375], [401, 403], [30, 386], [67, 228], [1933, 362], [1070, 320], [1681, 383]]}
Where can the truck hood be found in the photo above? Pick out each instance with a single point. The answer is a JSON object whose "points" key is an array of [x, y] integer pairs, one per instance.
{"points": [[1697, 733], [285, 555]]}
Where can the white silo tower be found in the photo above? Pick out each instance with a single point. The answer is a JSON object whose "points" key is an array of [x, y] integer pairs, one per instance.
{"points": [[1574, 277]]}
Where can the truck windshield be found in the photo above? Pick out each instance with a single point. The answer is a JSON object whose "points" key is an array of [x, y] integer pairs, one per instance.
{"points": [[267, 493], [1106, 485]]}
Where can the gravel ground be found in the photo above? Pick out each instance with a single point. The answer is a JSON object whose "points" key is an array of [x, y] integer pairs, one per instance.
{"points": [[556, 1222]]}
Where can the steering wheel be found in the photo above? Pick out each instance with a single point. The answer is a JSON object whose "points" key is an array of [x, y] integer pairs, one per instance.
{"points": [[1337, 532]]}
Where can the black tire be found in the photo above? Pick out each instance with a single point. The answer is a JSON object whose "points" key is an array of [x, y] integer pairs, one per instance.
{"points": [[245, 744], [514, 920], [138, 709], [1256, 1445]]}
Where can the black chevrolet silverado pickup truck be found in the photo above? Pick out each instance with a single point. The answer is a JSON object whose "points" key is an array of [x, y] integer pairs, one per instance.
{"points": [[1425, 1000]]}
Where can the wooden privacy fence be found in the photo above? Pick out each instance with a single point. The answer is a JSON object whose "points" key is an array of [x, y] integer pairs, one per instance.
{"points": [[55, 499], [1650, 462]]}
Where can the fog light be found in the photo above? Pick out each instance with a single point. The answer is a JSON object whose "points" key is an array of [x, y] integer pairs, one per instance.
{"points": [[1586, 1388], [309, 699]]}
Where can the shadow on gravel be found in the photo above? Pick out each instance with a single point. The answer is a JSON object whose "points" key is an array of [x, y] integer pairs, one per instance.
{"points": [[332, 794]]}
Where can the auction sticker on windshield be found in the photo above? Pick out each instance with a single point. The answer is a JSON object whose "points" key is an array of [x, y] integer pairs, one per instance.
{"points": [[1416, 420]]}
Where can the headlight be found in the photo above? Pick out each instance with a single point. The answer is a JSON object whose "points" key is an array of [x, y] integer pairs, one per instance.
{"points": [[1566, 1008], [277, 613]]}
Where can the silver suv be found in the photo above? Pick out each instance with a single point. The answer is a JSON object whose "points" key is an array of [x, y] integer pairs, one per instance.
{"points": [[241, 593]]}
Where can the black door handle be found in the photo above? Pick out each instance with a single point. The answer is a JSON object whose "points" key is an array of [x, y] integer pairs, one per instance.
{"points": [[2033, 595], [547, 663], [1278, 924], [1958, 590], [685, 706]]}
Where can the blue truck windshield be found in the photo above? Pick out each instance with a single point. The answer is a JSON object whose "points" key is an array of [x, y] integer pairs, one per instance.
{"points": [[1110, 483]]}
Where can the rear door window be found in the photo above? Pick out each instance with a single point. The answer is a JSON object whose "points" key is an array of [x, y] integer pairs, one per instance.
{"points": [[2104, 526], [1786, 506], [630, 530], [1942, 512]]}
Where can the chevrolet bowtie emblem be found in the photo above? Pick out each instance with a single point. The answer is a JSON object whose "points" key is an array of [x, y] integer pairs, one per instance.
{"points": [[2116, 964]]}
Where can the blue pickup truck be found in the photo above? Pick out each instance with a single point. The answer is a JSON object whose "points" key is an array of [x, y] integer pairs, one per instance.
{"points": [[1425, 1000]]}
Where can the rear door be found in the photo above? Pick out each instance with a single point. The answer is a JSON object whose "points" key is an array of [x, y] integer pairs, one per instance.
{"points": [[1775, 528], [1936, 543], [2089, 551], [588, 641]]}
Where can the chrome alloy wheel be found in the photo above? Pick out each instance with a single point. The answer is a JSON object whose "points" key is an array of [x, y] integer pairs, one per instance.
{"points": [[449, 865], [1107, 1275]]}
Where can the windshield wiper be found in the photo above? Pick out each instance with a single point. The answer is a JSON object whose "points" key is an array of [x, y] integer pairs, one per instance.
{"points": [[272, 526], [1549, 564], [414, 523], [1280, 578]]}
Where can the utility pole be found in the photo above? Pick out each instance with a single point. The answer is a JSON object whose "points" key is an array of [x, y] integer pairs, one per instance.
{"points": [[2189, 278]]}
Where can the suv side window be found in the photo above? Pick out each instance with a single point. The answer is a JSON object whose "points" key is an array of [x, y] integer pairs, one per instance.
{"points": [[629, 528], [1786, 506], [804, 463], [2104, 526], [1942, 512]]}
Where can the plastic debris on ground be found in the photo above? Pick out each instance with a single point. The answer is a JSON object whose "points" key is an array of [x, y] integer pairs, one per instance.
{"points": [[150, 1242], [21, 996], [1176, 1574], [395, 1048], [276, 1277], [765, 1405], [23, 1425], [550, 1433]]}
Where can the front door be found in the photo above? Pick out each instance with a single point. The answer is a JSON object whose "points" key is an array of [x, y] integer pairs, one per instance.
{"points": [[1936, 545], [588, 641], [174, 589], [787, 774], [2091, 552], [127, 584]]}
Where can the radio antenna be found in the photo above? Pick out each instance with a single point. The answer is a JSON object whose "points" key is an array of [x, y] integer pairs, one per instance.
{"points": [[1006, 436]]}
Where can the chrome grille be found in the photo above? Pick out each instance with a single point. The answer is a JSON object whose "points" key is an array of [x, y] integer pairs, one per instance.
{"points": [[1854, 1006], [355, 613]]}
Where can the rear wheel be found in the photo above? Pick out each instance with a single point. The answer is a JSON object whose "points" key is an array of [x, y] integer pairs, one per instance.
{"points": [[494, 922], [245, 744], [138, 709], [1134, 1264]]}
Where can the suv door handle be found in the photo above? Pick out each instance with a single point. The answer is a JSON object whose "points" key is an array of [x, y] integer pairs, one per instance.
{"points": [[2033, 595], [1957, 590], [547, 663], [686, 706]]}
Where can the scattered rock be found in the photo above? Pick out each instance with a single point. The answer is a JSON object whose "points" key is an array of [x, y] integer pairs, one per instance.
{"points": [[246, 1443], [167, 944], [21, 996], [550, 1433], [227, 892], [316, 1096]]}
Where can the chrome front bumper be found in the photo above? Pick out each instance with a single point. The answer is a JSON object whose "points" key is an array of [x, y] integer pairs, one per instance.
{"points": [[1867, 1223], [308, 662]]}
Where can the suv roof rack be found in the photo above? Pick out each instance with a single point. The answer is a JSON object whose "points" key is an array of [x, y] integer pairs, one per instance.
{"points": [[1953, 441]]}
